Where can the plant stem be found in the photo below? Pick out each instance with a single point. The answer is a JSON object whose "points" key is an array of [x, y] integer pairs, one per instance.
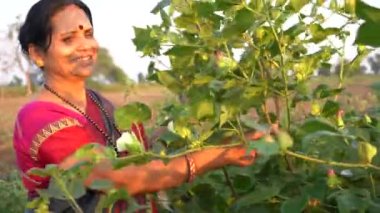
{"points": [[265, 109], [282, 67], [191, 150], [62, 186], [241, 131], [341, 70], [372, 185], [265, 75], [332, 163], [276, 102], [229, 182], [163, 157]]}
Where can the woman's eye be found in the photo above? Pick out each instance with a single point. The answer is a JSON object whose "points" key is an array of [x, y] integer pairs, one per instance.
{"points": [[90, 35], [67, 39]]}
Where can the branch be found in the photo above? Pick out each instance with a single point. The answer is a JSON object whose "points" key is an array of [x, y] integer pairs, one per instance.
{"points": [[229, 182], [332, 163]]}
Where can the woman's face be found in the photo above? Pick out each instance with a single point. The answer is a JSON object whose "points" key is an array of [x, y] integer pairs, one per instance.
{"points": [[73, 50]]}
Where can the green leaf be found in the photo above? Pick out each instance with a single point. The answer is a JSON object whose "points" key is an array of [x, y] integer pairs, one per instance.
{"points": [[125, 161], [204, 9], [200, 79], [113, 196], [285, 140], [242, 182], [38, 172], [251, 123], [350, 6], [298, 4], [166, 21], [264, 148], [86, 150], [54, 190], [353, 200], [320, 34], [182, 6], [188, 23], [324, 91], [308, 140], [317, 189], [49, 170], [132, 113], [228, 112], [368, 34], [330, 108], [76, 187], [296, 30], [203, 108], [102, 185], [317, 124], [295, 204], [205, 195], [144, 41], [367, 12], [179, 50], [169, 137], [259, 194], [167, 79], [243, 20], [161, 5]]}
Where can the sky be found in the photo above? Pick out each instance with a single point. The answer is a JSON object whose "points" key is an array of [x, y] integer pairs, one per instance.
{"points": [[113, 24]]}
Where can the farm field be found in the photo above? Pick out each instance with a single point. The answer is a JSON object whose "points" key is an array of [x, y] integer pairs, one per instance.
{"points": [[357, 94]]}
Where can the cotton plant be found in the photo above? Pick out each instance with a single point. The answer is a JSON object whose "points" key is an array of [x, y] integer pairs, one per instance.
{"points": [[129, 142]]}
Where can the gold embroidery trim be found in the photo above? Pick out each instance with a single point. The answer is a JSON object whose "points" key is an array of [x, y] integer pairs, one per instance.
{"points": [[47, 131]]}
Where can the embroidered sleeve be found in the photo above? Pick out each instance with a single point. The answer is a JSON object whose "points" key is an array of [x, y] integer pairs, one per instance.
{"points": [[48, 131]]}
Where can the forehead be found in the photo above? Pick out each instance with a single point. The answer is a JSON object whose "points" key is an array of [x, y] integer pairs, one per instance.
{"points": [[69, 19]]}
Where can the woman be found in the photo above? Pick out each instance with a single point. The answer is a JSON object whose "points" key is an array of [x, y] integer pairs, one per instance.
{"points": [[58, 37]]}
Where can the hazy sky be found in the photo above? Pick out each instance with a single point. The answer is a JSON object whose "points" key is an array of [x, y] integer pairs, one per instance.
{"points": [[113, 22]]}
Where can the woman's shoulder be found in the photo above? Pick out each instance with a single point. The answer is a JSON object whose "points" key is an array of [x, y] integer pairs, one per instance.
{"points": [[36, 115], [44, 109]]}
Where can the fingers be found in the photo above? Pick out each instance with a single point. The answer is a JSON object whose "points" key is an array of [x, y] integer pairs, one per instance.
{"points": [[247, 159], [275, 127], [240, 156], [255, 135]]}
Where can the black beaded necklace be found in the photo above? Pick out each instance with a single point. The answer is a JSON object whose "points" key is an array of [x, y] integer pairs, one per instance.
{"points": [[104, 133]]}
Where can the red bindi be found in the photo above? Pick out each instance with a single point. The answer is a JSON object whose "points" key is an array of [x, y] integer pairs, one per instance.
{"points": [[80, 27]]}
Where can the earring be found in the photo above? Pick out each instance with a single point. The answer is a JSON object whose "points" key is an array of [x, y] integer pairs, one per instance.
{"points": [[40, 63]]}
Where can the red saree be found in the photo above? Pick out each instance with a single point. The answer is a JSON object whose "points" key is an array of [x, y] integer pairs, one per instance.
{"points": [[47, 133]]}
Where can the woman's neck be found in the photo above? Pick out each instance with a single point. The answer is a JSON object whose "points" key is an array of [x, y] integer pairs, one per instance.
{"points": [[73, 92]]}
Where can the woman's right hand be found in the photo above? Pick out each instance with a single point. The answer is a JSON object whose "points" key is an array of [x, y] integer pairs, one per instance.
{"points": [[239, 156]]}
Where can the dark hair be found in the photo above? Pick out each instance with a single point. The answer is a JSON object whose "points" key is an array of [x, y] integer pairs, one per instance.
{"points": [[37, 27]]}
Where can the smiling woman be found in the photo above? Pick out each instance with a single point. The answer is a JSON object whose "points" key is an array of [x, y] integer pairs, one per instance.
{"points": [[58, 37]]}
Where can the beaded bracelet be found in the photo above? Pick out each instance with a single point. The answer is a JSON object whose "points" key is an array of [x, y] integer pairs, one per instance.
{"points": [[192, 169]]}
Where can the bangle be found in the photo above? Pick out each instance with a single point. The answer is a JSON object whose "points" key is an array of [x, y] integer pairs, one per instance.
{"points": [[191, 168]]}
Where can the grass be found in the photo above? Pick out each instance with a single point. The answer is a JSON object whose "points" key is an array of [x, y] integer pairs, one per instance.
{"points": [[12, 194]]}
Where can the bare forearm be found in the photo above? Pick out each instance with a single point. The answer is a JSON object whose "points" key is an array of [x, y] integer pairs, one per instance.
{"points": [[156, 176]]}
